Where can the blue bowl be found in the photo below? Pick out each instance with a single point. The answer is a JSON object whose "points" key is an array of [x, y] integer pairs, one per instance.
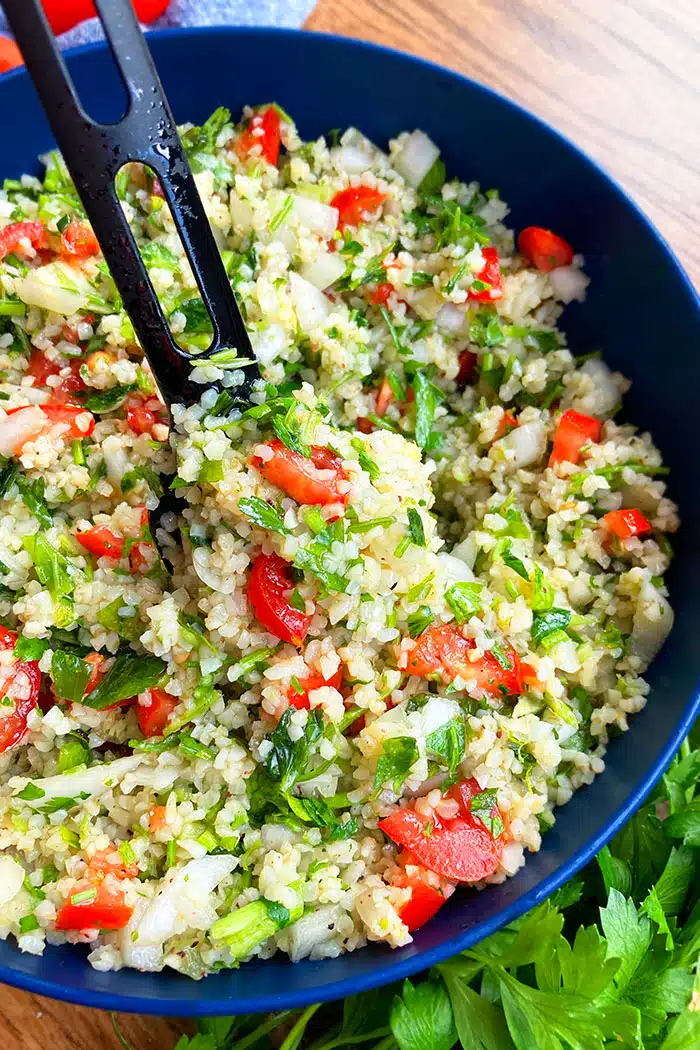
{"points": [[641, 311]]}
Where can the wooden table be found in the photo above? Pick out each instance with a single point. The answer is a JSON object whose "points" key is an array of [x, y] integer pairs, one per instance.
{"points": [[621, 78]]}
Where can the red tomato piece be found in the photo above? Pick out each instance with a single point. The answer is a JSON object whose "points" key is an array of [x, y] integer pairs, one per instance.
{"points": [[508, 423], [142, 414], [78, 241], [267, 123], [544, 249], [106, 910], [626, 523], [154, 716], [40, 368], [489, 274], [69, 415], [574, 430], [139, 559], [467, 368], [380, 295], [270, 580], [424, 902], [459, 847], [364, 425], [14, 237], [95, 660], [314, 681], [20, 681], [356, 203], [157, 820], [64, 14], [101, 542], [445, 651], [10, 54], [314, 480], [109, 862], [384, 398]]}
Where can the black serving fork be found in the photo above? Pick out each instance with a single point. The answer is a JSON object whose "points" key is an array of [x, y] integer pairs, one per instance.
{"points": [[94, 153]]}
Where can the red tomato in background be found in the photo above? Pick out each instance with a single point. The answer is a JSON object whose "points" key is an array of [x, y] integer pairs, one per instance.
{"points": [[10, 54], [467, 368], [107, 910], [490, 274], [270, 580], [68, 415], [314, 480], [460, 847], [544, 249], [143, 413], [64, 14], [154, 716], [356, 203], [22, 681], [627, 522], [13, 236], [574, 430], [445, 651]]}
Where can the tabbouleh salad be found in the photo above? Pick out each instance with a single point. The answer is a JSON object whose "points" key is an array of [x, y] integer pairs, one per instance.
{"points": [[412, 594]]}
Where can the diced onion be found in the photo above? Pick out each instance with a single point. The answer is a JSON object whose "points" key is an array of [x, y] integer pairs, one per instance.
{"points": [[11, 879], [183, 901], [324, 271], [568, 283], [241, 212], [416, 157], [351, 159], [269, 343], [56, 287], [91, 781], [400, 722], [455, 569], [311, 306], [19, 428], [528, 443], [652, 622], [312, 930], [116, 459], [606, 393], [317, 217], [451, 317]]}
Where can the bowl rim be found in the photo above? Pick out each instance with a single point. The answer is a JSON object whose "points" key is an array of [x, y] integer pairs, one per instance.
{"points": [[389, 971]]}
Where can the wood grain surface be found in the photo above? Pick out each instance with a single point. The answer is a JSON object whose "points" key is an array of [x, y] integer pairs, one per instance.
{"points": [[619, 77]]}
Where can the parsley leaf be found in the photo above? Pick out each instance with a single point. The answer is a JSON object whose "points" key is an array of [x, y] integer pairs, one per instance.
{"points": [[398, 755], [448, 742], [262, 514], [129, 675]]}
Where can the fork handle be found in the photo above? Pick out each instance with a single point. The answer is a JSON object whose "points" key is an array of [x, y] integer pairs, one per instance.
{"points": [[94, 154]]}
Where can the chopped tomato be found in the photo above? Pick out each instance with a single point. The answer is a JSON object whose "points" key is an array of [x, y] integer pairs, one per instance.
{"points": [[110, 862], [380, 295], [14, 237], [40, 368], [364, 425], [490, 275], [143, 413], [300, 700], [508, 423], [270, 581], [154, 716], [80, 422], [266, 123], [314, 480], [20, 682], [384, 398], [459, 847], [445, 651], [141, 557], [10, 54], [356, 203], [424, 902], [544, 249], [626, 523], [156, 821], [467, 368], [78, 241], [101, 542], [530, 676], [96, 674], [104, 910], [574, 430]]}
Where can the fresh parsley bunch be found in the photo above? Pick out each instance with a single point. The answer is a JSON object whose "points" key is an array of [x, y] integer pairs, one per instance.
{"points": [[609, 961]]}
